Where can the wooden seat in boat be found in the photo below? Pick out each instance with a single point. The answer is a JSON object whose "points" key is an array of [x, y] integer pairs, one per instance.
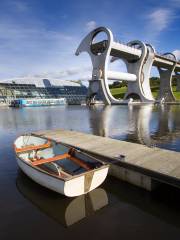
{"points": [[33, 147], [36, 161], [40, 161]]}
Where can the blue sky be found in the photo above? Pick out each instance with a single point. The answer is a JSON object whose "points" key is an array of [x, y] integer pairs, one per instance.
{"points": [[39, 37]]}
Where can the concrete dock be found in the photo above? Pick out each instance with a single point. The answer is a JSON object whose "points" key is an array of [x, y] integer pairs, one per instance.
{"points": [[142, 166]]}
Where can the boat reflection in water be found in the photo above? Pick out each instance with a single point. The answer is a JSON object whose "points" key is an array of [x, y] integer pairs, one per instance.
{"points": [[65, 211]]}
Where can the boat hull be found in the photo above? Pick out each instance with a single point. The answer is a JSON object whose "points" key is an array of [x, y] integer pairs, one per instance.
{"points": [[75, 186], [37, 102]]}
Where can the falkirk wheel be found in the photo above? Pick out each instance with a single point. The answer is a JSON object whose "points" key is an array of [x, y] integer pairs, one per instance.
{"points": [[138, 58]]}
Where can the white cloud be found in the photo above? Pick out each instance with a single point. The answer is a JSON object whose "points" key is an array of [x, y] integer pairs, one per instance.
{"points": [[177, 53], [90, 25], [13, 31], [82, 72], [30, 48], [33, 49], [160, 19]]}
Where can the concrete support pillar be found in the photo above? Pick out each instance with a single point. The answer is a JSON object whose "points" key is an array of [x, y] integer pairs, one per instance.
{"points": [[165, 91], [95, 92], [141, 69], [97, 86], [132, 177], [178, 83]]}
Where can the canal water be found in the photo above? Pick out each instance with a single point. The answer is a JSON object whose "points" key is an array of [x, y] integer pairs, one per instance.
{"points": [[115, 210]]}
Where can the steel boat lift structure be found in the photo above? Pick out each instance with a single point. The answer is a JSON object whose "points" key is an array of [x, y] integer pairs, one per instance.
{"points": [[139, 59]]}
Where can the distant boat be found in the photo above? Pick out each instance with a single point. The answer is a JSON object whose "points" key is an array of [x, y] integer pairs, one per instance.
{"points": [[33, 102], [59, 167]]}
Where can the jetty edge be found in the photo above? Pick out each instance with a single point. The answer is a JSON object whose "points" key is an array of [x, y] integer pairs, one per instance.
{"points": [[137, 164]]}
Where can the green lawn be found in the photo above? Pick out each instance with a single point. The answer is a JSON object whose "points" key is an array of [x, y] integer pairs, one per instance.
{"points": [[176, 93], [156, 89], [119, 92]]}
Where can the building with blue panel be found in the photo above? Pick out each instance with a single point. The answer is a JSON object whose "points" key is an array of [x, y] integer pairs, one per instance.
{"points": [[38, 88]]}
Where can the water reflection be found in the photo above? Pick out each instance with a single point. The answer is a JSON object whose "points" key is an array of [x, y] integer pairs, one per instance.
{"points": [[155, 125], [66, 211], [149, 125], [168, 125], [108, 121], [125, 215], [162, 203]]}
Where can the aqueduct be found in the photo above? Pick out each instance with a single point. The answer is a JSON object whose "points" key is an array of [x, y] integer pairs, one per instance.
{"points": [[139, 59]]}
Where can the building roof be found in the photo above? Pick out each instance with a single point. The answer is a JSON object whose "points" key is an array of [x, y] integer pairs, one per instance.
{"points": [[40, 82]]}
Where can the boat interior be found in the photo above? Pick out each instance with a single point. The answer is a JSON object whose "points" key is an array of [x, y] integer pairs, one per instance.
{"points": [[54, 158]]}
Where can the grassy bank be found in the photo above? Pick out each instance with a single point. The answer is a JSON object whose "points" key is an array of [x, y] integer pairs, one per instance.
{"points": [[119, 92]]}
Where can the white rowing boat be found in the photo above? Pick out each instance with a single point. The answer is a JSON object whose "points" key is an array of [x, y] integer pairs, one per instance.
{"points": [[59, 167]]}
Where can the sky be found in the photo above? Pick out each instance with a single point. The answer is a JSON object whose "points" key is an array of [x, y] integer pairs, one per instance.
{"points": [[40, 37]]}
